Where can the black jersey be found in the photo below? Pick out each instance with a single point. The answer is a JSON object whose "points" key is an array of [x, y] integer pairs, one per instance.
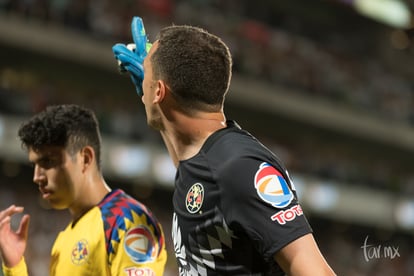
{"points": [[234, 208]]}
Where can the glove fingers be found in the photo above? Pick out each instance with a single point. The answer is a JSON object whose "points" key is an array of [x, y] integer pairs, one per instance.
{"points": [[119, 48], [138, 84], [128, 60], [134, 69], [139, 36], [122, 50]]}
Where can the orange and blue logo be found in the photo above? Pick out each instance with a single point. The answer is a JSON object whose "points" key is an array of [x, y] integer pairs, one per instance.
{"points": [[272, 187], [80, 252], [140, 245], [194, 198]]}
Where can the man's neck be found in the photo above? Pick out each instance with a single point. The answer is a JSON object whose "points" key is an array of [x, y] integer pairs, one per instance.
{"points": [[92, 194], [185, 136]]}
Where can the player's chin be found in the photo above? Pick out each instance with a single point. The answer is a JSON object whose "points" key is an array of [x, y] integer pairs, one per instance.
{"points": [[54, 203]]}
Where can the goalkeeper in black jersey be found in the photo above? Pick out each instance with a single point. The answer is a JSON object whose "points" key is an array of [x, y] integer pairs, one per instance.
{"points": [[235, 208]]}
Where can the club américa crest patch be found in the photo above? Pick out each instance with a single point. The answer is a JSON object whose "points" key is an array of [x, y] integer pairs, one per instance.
{"points": [[80, 252], [194, 198], [272, 187]]}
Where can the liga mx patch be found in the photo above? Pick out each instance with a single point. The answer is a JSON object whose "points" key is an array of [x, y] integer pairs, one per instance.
{"points": [[272, 187], [141, 245]]}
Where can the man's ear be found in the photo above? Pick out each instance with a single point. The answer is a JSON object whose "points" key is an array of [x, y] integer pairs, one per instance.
{"points": [[160, 91], [87, 157]]}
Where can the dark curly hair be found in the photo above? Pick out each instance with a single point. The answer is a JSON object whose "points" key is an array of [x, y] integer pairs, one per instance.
{"points": [[70, 126]]}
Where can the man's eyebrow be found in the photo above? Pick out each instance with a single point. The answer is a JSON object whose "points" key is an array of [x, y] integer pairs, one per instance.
{"points": [[36, 160], [41, 158]]}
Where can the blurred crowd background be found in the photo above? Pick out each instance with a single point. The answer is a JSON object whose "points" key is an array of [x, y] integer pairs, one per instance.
{"points": [[324, 85]]}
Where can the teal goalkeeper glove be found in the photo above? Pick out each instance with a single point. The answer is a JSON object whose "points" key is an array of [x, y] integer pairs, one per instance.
{"points": [[131, 57]]}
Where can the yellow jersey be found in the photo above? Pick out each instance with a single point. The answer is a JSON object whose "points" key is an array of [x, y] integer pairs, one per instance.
{"points": [[119, 236]]}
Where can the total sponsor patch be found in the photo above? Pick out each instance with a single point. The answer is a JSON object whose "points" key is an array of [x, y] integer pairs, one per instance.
{"points": [[139, 271], [287, 215], [272, 187]]}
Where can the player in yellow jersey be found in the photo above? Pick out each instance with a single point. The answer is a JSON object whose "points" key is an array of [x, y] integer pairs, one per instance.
{"points": [[110, 233]]}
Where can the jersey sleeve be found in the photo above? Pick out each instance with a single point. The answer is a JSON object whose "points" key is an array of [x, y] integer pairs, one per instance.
{"points": [[134, 239], [19, 270], [259, 199]]}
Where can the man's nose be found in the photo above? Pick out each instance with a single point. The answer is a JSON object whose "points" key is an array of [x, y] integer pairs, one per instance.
{"points": [[38, 175]]}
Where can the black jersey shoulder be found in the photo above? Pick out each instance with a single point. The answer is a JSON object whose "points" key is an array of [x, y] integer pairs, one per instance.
{"points": [[234, 143]]}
